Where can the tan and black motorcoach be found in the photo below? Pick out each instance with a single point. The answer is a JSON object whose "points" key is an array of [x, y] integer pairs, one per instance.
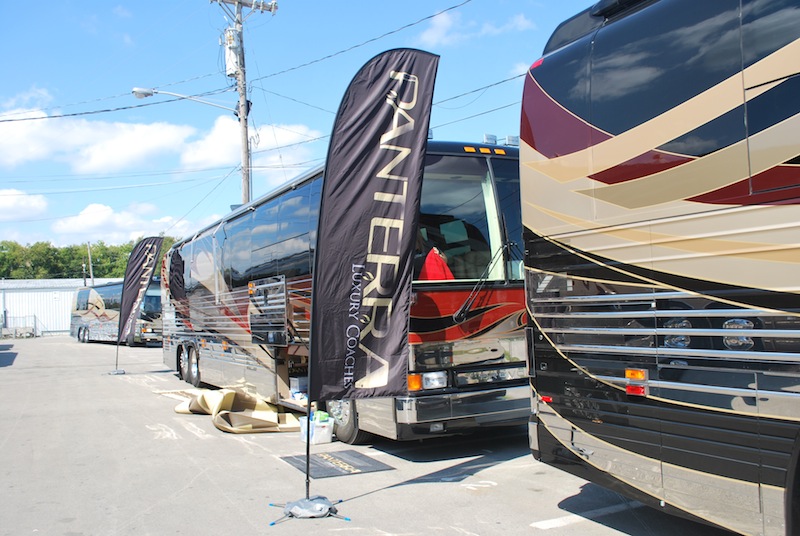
{"points": [[660, 173]]}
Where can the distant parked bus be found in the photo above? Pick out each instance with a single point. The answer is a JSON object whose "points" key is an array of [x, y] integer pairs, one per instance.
{"points": [[95, 314], [239, 300], [660, 171]]}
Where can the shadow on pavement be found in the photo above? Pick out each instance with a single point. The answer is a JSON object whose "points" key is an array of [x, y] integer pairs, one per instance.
{"points": [[500, 443], [612, 510], [7, 357]]}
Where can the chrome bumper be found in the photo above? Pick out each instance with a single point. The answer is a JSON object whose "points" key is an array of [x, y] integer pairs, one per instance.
{"points": [[497, 406]]}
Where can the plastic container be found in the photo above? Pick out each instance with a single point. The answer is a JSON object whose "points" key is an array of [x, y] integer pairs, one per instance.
{"points": [[321, 431]]}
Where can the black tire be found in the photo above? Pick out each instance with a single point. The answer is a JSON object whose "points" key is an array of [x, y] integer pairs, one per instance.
{"points": [[345, 422], [85, 335], [194, 366], [183, 364], [80, 334]]}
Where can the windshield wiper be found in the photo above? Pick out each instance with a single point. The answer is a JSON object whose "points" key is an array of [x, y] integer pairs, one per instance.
{"points": [[461, 314]]}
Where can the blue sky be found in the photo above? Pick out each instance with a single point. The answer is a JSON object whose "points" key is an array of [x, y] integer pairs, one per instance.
{"points": [[82, 160]]}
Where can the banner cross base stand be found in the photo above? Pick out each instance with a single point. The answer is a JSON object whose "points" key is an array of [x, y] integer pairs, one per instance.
{"points": [[117, 372], [307, 508]]}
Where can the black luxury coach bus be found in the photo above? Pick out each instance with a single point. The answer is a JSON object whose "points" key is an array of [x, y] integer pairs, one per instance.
{"points": [[239, 296], [660, 178]]}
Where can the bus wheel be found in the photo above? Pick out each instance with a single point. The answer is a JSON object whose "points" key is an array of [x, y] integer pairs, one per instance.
{"points": [[346, 422], [80, 335], [194, 367], [183, 363], [85, 335]]}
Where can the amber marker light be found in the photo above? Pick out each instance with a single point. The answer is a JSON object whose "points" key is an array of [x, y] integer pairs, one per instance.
{"points": [[639, 375], [415, 382]]}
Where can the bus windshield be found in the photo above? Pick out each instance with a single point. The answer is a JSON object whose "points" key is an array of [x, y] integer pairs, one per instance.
{"points": [[455, 208]]}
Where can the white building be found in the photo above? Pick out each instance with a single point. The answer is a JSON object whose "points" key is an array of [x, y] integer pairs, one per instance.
{"points": [[36, 307]]}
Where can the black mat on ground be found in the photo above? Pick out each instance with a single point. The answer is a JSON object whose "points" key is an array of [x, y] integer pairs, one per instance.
{"points": [[345, 462]]}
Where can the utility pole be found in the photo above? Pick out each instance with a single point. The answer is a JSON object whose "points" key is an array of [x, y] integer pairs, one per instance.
{"points": [[91, 270], [234, 67]]}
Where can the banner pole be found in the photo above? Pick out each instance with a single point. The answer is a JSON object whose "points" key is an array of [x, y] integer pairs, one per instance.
{"points": [[117, 371], [309, 424]]}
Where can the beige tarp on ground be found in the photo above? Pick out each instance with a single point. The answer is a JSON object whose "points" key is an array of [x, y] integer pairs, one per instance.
{"points": [[235, 412]]}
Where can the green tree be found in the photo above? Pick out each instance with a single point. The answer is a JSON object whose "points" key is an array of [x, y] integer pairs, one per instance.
{"points": [[74, 261], [43, 260], [11, 257]]}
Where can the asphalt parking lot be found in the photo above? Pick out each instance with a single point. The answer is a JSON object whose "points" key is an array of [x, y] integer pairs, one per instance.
{"points": [[86, 452]]}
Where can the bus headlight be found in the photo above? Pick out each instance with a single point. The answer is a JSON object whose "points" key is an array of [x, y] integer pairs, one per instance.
{"points": [[738, 342], [677, 341], [427, 380]]}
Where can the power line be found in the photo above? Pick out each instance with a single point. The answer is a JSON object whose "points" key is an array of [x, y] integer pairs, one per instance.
{"points": [[104, 189], [99, 99], [368, 41], [135, 106], [515, 77], [101, 177], [517, 103], [109, 110], [198, 203]]}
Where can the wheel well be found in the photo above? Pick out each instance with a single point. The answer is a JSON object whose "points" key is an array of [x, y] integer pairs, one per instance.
{"points": [[180, 350]]}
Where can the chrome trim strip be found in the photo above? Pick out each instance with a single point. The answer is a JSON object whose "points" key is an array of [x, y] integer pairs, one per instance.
{"points": [[763, 333], [667, 313], [663, 351]]}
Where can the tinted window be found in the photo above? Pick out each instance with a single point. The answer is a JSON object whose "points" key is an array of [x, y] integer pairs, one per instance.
{"points": [[111, 296], [293, 249], [453, 219], [202, 268], [82, 301], [282, 233], [313, 214], [237, 250], [506, 178], [264, 235]]}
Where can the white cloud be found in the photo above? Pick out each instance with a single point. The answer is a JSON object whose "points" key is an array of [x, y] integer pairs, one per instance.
{"points": [[220, 147], [102, 222], [87, 146], [441, 31], [448, 29], [277, 159], [33, 98], [16, 205], [117, 146], [273, 154], [121, 12], [517, 23]]}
